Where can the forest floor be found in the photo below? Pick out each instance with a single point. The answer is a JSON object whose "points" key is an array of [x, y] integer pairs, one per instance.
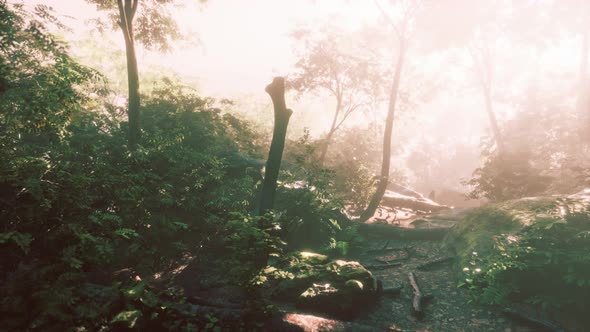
{"points": [[448, 310]]}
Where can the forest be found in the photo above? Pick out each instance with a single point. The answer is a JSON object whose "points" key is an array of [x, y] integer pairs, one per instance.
{"points": [[276, 165]]}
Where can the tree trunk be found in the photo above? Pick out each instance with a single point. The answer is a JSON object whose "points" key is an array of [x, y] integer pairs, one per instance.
{"points": [[492, 116], [582, 75], [582, 101], [332, 130], [325, 146], [126, 14], [282, 114], [384, 180]]}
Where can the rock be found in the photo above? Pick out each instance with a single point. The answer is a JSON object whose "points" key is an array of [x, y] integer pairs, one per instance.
{"points": [[354, 285], [341, 302], [314, 282], [309, 323]]}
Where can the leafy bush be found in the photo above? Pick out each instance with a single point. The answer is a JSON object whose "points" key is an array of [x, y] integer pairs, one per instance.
{"points": [[311, 209], [507, 176], [546, 263], [78, 207]]}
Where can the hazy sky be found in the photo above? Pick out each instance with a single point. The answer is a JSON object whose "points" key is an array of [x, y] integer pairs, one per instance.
{"points": [[243, 44]]}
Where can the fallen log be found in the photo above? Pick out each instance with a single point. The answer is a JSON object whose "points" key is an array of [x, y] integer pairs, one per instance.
{"points": [[538, 322], [418, 296], [391, 232], [404, 190], [393, 200], [429, 264]]}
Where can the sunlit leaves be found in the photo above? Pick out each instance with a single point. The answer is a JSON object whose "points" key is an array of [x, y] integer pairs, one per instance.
{"points": [[129, 317], [153, 25], [40, 82]]}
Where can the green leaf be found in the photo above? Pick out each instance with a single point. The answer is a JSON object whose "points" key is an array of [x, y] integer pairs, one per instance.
{"points": [[136, 291], [126, 233], [129, 317], [22, 240]]}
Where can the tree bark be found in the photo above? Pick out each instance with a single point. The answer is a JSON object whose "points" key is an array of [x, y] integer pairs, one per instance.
{"points": [[332, 130], [582, 102], [282, 114], [384, 179], [126, 14], [492, 116], [484, 67]]}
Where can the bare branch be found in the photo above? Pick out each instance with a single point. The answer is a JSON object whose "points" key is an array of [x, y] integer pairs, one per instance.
{"points": [[349, 111], [134, 9], [124, 24], [388, 18]]}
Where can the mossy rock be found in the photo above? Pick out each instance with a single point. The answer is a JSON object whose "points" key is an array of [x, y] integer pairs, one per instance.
{"points": [[303, 269], [343, 302]]}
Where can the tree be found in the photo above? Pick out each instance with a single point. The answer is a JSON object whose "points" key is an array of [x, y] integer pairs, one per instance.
{"points": [[482, 56], [38, 80], [282, 114], [155, 28], [330, 64], [574, 15], [401, 28]]}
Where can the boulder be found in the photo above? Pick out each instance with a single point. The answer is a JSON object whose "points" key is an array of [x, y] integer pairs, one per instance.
{"points": [[315, 282], [342, 302]]}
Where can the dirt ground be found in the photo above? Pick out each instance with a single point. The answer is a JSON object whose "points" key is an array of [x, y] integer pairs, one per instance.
{"points": [[449, 309]]}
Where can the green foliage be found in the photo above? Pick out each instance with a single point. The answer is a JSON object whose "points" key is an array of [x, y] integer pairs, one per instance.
{"points": [[507, 176], [546, 263], [248, 238], [354, 183], [40, 85], [77, 206], [312, 213], [154, 26], [312, 198], [544, 151]]}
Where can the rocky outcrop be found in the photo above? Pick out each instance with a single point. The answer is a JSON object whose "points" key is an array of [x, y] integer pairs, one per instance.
{"points": [[314, 282]]}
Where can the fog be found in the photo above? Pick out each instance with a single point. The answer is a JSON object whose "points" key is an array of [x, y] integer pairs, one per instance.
{"points": [[468, 64], [303, 165]]}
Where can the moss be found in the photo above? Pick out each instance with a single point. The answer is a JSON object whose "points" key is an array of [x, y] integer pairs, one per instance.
{"points": [[305, 269], [476, 232], [529, 250], [354, 285]]}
